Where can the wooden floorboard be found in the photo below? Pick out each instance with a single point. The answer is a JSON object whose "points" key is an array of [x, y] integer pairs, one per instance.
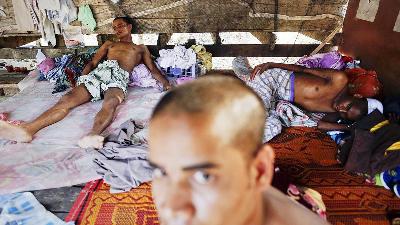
{"points": [[58, 200]]}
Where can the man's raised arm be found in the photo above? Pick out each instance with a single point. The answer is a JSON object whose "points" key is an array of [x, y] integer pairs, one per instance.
{"points": [[330, 75]]}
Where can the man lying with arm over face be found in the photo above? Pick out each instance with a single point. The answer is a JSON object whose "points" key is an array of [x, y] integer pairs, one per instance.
{"points": [[211, 166]]}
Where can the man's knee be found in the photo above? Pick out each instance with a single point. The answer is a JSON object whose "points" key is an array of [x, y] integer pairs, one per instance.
{"points": [[111, 103]]}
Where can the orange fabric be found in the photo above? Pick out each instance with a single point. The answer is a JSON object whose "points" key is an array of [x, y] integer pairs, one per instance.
{"points": [[306, 155], [131, 208]]}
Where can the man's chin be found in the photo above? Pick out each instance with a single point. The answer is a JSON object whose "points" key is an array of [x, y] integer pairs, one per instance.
{"points": [[178, 222]]}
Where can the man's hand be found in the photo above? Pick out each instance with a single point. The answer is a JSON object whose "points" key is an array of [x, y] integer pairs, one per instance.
{"points": [[259, 69], [394, 118]]}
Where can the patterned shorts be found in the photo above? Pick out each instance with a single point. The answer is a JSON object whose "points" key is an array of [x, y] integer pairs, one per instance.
{"points": [[107, 75]]}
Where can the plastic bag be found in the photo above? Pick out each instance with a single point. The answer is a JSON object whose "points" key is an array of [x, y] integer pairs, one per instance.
{"points": [[73, 37]]}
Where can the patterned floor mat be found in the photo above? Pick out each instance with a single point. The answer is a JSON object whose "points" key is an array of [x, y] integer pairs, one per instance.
{"points": [[306, 154]]}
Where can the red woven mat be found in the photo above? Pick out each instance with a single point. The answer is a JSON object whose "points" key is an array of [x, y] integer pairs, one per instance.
{"points": [[308, 157], [306, 154], [95, 205]]}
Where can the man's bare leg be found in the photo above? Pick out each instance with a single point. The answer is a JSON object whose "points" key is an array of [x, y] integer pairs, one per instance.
{"points": [[25, 132], [112, 98]]}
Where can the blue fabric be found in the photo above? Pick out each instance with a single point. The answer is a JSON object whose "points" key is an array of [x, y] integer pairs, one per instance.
{"points": [[25, 209]]}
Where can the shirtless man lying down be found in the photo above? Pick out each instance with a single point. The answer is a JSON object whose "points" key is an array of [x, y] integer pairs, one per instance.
{"points": [[315, 90], [108, 79]]}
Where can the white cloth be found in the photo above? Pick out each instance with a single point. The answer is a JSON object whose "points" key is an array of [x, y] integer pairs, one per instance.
{"points": [[293, 116], [2, 12], [68, 12], [178, 57], [374, 104], [40, 56], [49, 4], [22, 16]]}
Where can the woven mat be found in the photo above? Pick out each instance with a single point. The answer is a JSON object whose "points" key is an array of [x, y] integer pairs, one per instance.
{"points": [[306, 154], [95, 205]]}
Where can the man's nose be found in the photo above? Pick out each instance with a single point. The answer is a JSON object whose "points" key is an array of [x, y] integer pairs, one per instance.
{"points": [[178, 204]]}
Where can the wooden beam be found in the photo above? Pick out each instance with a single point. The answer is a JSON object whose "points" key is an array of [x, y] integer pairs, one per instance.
{"points": [[249, 50], [16, 41], [27, 53]]}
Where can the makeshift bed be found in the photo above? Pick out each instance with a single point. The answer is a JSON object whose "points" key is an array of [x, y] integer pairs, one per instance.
{"points": [[53, 158]]}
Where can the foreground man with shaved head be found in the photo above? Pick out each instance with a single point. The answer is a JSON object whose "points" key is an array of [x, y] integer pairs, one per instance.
{"points": [[211, 166]]}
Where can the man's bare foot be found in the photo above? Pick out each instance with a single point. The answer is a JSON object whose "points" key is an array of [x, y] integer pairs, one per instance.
{"points": [[13, 132], [91, 141]]}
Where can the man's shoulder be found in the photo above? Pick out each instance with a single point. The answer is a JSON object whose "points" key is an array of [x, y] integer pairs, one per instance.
{"points": [[294, 213], [108, 43]]}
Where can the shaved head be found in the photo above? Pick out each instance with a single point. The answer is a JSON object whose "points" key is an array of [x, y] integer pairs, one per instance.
{"points": [[232, 110]]}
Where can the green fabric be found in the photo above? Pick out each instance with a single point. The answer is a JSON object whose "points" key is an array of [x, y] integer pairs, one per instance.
{"points": [[86, 17], [378, 181]]}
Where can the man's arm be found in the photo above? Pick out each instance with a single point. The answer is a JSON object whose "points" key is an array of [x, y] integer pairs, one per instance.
{"points": [[331, 75], [148, 61], [100, 54], [331, 117], [328, 126]]}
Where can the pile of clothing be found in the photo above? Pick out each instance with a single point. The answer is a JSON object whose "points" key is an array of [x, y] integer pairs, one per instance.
{"points": [[373, 149], [123, 161], [179, 65], [64, 70]]}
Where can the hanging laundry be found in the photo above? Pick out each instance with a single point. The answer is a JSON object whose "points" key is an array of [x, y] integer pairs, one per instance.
{"points": [[85, 15], [22, 16], [49, 4], [48, 31], [73, 37], [34, 15], [63, 16], [2, 12]]}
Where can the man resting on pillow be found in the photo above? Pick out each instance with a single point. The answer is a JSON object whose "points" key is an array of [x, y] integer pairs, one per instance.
{"points": [[107, 80], [315, 90]]}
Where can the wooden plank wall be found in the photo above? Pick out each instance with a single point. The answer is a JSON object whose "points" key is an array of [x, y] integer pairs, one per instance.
{"points": [[375, 42], [199, 16]]}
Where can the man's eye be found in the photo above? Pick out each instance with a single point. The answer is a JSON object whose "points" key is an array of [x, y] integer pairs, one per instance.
{"points": [[158, 173], [202, 177]]}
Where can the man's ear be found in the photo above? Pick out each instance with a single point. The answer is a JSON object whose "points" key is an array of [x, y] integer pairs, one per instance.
{"points": [[264, 166]]}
